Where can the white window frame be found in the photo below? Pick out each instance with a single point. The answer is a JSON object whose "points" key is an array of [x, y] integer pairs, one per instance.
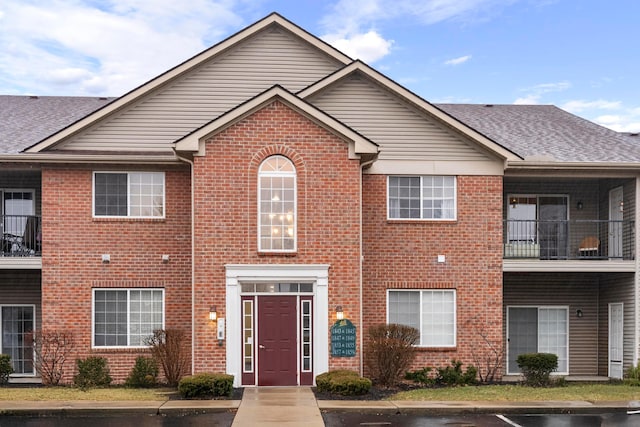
{"points": [[421, 292], [422, 198], [293, 174], [129, 215], [128, 290]]}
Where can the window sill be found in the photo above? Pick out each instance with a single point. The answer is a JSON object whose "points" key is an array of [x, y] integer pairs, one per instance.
{"points": [[420, 221], [127, 219], [436, 349], [119, 350], [275, 254]]}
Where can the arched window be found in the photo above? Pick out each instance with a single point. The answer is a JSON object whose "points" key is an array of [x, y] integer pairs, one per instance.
{"points": [[277, 205]]}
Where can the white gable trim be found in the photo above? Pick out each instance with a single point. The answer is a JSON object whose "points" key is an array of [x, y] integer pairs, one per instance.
{"points": [[444, 118], [194, 142], [186, 66]]}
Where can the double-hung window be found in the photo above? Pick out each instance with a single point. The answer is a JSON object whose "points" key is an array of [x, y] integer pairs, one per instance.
{"points": [[432, 312], [126, 317], [128, 194], [422, 197], [277, 205]]}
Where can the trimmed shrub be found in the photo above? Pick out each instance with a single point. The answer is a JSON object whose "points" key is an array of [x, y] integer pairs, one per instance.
{"points": [[343, 382], [144, 373], [537, 367], [206, 385], [453, 375], [424, 376], [391, 351], [632, 376], [5, 368], [92, 372]]}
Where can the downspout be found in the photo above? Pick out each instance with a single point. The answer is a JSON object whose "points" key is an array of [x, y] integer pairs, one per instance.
{"points": [[193, 265], [362, 166]]}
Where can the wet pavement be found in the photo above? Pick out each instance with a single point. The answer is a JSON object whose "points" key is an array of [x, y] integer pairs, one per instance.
{"points": [[218, 419]]}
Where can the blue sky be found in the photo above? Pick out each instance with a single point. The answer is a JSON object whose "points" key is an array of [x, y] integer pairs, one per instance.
{"points": [[581, 55]]}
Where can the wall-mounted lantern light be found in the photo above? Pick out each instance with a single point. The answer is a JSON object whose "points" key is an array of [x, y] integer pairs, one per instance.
{"points": [[580, 205], [339, 313], [213, 314], [579, 313]]}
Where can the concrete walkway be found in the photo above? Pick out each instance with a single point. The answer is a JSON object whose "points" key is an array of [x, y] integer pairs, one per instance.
{"points": [[281, 406]]}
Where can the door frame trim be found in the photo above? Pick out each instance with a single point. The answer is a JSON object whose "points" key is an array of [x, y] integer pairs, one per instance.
{"points": [[609, 338], [238, 273]]}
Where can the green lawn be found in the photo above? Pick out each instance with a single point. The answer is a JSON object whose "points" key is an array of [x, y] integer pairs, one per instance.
{"points": [[518, 393], [71, 393]]}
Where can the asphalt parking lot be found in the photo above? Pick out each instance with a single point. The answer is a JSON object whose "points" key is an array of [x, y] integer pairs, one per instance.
{"points": [[351, 419]]}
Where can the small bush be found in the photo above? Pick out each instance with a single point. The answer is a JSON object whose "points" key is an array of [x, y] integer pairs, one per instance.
{"points": [[52, 349], [391, 351], [632, 376], [5, 368], [453, 375], [144, 373], [92, 372], [537, 367], [206, 385], [343, 382], [424, 376]]}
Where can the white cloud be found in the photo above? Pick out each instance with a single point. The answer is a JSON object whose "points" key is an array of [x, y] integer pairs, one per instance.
{"points": [[351, 21], [458, 61], [578, 106], [369, 47], [74, 47], [536, 92]]}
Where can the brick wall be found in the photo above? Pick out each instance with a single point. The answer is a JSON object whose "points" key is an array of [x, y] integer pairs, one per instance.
{"points": [[403, 255], [226, 214], [73, 243]]}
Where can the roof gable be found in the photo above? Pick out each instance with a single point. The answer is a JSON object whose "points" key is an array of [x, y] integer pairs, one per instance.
{"points": [[194, 142], [437, 117], [293, 57]]}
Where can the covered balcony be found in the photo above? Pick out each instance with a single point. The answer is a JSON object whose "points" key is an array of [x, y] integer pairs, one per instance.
{"points": [[20, 219], [569, 224]]}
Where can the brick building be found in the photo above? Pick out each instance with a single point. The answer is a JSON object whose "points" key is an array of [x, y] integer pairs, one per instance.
{"points": [[276, 184]]}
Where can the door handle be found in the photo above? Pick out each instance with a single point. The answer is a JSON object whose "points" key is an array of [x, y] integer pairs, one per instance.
{"points": [[261, 346]]}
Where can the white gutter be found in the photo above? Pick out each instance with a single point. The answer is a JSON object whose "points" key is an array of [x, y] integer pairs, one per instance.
{"points": [[548, 165], [88, 158], [361, 326], [193, 265]]}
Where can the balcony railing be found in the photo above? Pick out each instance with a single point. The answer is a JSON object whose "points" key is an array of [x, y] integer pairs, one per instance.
{"points": [[569, 240], [21, 235]]}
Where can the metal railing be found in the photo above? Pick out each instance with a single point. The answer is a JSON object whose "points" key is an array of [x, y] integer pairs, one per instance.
{"points": [[569, 239], [21, 235]]}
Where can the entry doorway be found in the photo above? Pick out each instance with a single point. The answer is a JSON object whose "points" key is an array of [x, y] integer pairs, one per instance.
{"points": [[277, 336], [17, 324], [537, 330], [616, 339]]}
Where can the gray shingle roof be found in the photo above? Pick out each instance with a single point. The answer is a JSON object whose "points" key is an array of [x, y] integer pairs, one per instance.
{"points": [[531, 131], [546, 131], [26, 120]]}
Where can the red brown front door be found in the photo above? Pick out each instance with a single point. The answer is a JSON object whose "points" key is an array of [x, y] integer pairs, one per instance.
{"points": [[277, 344]]}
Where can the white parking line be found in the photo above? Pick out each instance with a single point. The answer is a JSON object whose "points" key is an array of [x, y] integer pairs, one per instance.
{"points": [[508, 421]]}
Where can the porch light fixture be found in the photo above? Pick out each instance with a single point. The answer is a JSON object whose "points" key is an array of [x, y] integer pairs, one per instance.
{"points": [[579, 313], [213, 314], [621, 206], [106, 258], [339, 313], [580, 205], [514, 202], [165, 258]]}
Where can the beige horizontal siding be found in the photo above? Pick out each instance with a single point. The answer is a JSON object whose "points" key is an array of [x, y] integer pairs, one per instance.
{"points": [[615, 289], [267, 58], [402, 132], [577, 291], [21, 288]]}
